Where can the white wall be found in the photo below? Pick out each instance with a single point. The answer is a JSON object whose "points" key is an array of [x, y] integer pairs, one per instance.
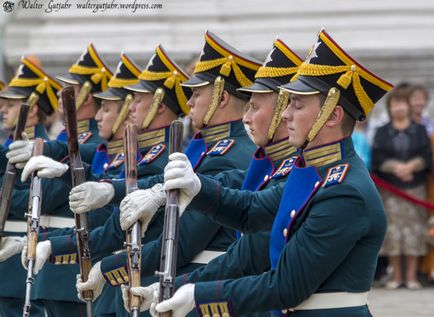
{"points": [[392, 37]]}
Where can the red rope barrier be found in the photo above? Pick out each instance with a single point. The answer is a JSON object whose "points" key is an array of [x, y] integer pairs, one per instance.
{"points": [[398, 192]]}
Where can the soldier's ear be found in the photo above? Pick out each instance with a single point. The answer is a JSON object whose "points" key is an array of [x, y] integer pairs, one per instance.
{"points": [[336, 118], [89, 99], [162, 107], [224, 99], [33, 111]]}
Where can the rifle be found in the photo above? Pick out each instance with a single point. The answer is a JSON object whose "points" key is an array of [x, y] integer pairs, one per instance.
{"points": [[133, 244], [167, 272], [11, 172], [78, 177], [35, 200]]}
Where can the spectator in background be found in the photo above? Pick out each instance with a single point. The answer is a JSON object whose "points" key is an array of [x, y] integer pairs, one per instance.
{"points": [[402, 156], [361, 144], [419, 99]]}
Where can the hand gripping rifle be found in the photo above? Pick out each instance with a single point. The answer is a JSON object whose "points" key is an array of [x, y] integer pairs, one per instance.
{"points": [[167, 272], [11, 172], [133, 244], [33, 216], [78, 177]]}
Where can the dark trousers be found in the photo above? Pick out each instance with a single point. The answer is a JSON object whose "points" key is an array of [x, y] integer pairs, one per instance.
{"points": [[13, 307], [64, 309]]}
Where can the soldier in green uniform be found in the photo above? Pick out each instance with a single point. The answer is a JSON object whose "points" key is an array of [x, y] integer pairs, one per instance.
{"points": [[110, 117], [30, 84], [157, 102], [269, 166], [330, 224], [221, 144], [88, 75]]}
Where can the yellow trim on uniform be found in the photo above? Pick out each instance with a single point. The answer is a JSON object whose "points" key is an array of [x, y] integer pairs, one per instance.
{"points": [[169, 64], [98, 74], [151, 138], [227, 64], [116, 82], [226, 53], [349, 61], [351, 75], [115, 147], [30, 131], [121, 83], [279, 150], [83, 126], [44, 84], [288, 53], [216, 309], [211, 134], [273, 72], [323, 155], [173, 78]]}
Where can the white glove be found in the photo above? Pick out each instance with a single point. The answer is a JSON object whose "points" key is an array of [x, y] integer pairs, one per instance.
{"points": [[89, 196], [9, 246], [43, 252], [180, 304], [20, 151], [179, 174], [141, 205], [148, 295], [95, 282], [46, 167]]}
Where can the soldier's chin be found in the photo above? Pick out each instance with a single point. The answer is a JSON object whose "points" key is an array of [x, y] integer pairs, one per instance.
{"points": [[294, 142]]}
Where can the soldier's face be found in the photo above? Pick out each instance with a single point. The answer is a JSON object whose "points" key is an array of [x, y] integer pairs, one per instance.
{"points": [[199, 103], [300, 115], [140, 107], [106, 117], [258, 116], [10, 111]]}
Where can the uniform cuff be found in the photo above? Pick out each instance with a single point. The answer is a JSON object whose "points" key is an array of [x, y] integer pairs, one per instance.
{"points": [[115, 269], [208, 302], [63, 250]]}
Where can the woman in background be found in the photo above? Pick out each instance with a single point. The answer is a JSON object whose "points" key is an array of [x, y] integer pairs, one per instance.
{"points": [[402, 156]]}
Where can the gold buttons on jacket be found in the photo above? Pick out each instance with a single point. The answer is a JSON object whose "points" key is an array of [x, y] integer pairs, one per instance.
{"points": [[285, 232], [292, 213]]}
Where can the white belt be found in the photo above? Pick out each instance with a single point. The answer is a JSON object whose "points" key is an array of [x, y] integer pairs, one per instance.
{"points": [[46, 221], [206, 256], [333, 300]]}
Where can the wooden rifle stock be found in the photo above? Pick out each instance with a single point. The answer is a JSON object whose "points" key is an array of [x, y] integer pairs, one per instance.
{"points": [[78, 177], [133, 237], [33, 219], [167, 272], [11, 172]]}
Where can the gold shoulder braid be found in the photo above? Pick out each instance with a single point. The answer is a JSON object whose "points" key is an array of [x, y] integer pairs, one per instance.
{"points": [[324, 114], [156, 101], [219, 85], [281, 104], [84, 91], [123, 113]]}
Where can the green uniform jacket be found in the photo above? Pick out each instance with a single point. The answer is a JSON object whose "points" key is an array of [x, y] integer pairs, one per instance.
{"points": [[152, 159], [12, 272], [328, 232]]}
